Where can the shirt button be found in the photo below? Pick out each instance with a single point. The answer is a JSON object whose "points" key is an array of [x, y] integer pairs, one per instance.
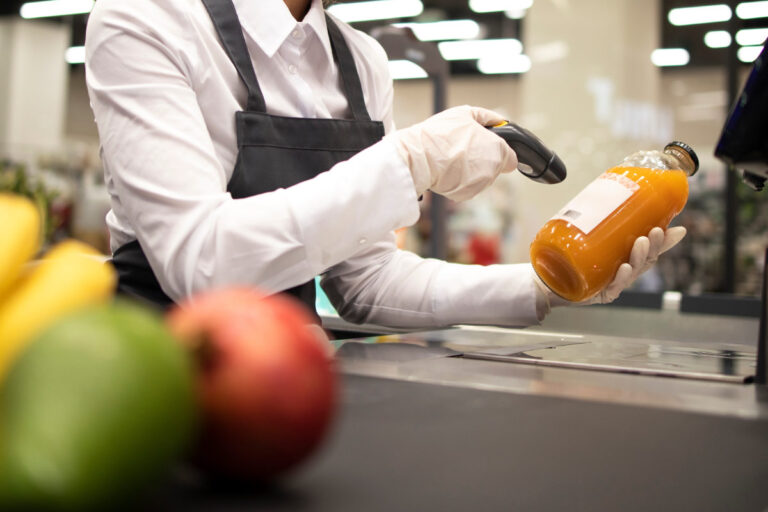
{"points": [[296, 34], [292, 68], [363, 241]]}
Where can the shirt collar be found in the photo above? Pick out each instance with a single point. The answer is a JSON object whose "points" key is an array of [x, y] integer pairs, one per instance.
{"points": [[269, 23]]}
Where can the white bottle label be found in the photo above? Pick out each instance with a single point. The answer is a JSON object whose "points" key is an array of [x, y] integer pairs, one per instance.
{"points": [[597, 201]]}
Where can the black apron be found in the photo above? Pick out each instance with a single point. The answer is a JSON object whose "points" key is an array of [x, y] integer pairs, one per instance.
{"points": [[273, 151]]}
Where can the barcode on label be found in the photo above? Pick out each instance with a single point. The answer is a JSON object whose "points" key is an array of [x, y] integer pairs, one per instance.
{"points": [[597, 201], [572, 214]]}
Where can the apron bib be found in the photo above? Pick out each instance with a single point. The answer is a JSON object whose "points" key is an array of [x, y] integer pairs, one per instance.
{"points": [[273, 151]]}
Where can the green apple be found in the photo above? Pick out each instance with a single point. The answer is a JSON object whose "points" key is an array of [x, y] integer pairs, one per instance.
{"points": [[95, 409]]}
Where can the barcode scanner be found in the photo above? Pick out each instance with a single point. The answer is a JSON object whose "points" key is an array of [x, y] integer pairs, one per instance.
{"points": [[535, 160]]}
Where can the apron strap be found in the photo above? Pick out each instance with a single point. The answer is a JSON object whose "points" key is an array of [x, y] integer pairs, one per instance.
{"points": [[348, 70], [230, 33]]}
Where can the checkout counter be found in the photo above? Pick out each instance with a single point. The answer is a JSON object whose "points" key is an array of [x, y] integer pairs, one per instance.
{"points": [[662, 405], [450, 420]]}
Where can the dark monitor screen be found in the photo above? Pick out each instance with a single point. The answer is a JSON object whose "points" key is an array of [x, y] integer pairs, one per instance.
{"points": [[743, 143]]}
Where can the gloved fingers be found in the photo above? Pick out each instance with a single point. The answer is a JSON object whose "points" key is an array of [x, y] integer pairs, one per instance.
{"points": [[639, 254], [672, 237], [623, 278], [509, 160], [453, 154], [486, 117], [656, 238]]}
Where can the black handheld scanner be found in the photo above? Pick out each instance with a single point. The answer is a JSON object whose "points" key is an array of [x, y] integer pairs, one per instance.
{"points": [[535, 160]]}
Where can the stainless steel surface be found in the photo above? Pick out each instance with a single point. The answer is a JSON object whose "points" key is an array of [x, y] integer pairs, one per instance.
{"points": [[652, 324], [703, 334], [718, 362], [575, 365]]}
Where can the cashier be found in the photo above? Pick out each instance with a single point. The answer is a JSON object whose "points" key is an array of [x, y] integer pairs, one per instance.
{"points": [[251, 142]]}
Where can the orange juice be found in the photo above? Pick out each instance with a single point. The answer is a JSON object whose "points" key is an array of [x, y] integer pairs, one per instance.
{"points": [[578, 251]]}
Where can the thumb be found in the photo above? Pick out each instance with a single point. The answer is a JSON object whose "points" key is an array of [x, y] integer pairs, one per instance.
{"points": [[672, 237], [486, 117]]}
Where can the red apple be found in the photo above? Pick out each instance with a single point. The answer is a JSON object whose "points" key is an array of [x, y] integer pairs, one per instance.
{"points": [[266, 382]]}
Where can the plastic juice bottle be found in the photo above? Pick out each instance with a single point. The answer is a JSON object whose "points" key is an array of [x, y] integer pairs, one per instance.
{"points": [[579, 250]]}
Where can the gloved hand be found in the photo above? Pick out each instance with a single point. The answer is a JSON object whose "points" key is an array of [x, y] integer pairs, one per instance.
{"points": [[453, 154], [645, 252]]}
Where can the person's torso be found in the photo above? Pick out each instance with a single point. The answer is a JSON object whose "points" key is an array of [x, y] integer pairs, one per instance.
{"points": [[297, 77]]}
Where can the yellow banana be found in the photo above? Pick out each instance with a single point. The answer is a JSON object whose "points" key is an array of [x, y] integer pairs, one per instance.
{"points": [[71, 275], [19, 238]]}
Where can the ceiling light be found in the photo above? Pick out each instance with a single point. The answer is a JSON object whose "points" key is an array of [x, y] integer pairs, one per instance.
{"points": [[749, 53], [459, 50], [717, 39], [515, 14], [663, 57], [376, 10], [75, 55], [499, 5], [750, 10], [442, 30], [405, 70], [50, 8], [700, 14], [752, 36], [511, 64]]}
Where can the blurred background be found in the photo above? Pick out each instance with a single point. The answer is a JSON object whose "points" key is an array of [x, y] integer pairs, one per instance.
{"points": [[595, 80]]}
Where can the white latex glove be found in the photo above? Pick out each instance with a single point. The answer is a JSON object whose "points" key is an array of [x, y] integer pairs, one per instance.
{"points": [[453, 154], [645, 252]]}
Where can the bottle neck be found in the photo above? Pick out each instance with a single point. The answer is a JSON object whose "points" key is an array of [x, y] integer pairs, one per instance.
{"points": [[682, 157]]}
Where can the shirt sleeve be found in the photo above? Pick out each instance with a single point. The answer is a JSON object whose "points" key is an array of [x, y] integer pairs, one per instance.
{"points": [[387, 286], [168, 183]]}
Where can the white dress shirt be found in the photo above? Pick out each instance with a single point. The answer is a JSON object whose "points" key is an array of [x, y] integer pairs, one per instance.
{"points": [[164, 94]]}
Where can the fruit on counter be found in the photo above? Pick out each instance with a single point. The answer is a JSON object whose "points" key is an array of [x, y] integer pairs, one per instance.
{"points": [[93, 411], [266, 382], [20, 239], [70, 276]]}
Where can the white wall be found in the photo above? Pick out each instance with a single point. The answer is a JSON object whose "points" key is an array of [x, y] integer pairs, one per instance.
{"points": [[79, 124], [35, 83], [5, 84]]}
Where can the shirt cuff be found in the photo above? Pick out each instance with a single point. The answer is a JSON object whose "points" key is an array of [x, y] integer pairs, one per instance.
{"points": [[503, 295]]}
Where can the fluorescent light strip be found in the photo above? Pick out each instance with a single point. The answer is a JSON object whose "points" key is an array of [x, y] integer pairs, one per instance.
{"points": [[749, 53], [376, 10], [442, 30], [752, 36], [751, 10], [701, 14], [499, 5], [515, 14], [717, 39], [663, 57], [405, 70], [490, 48], [512, 64], [75, 55], [50, 8]]}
